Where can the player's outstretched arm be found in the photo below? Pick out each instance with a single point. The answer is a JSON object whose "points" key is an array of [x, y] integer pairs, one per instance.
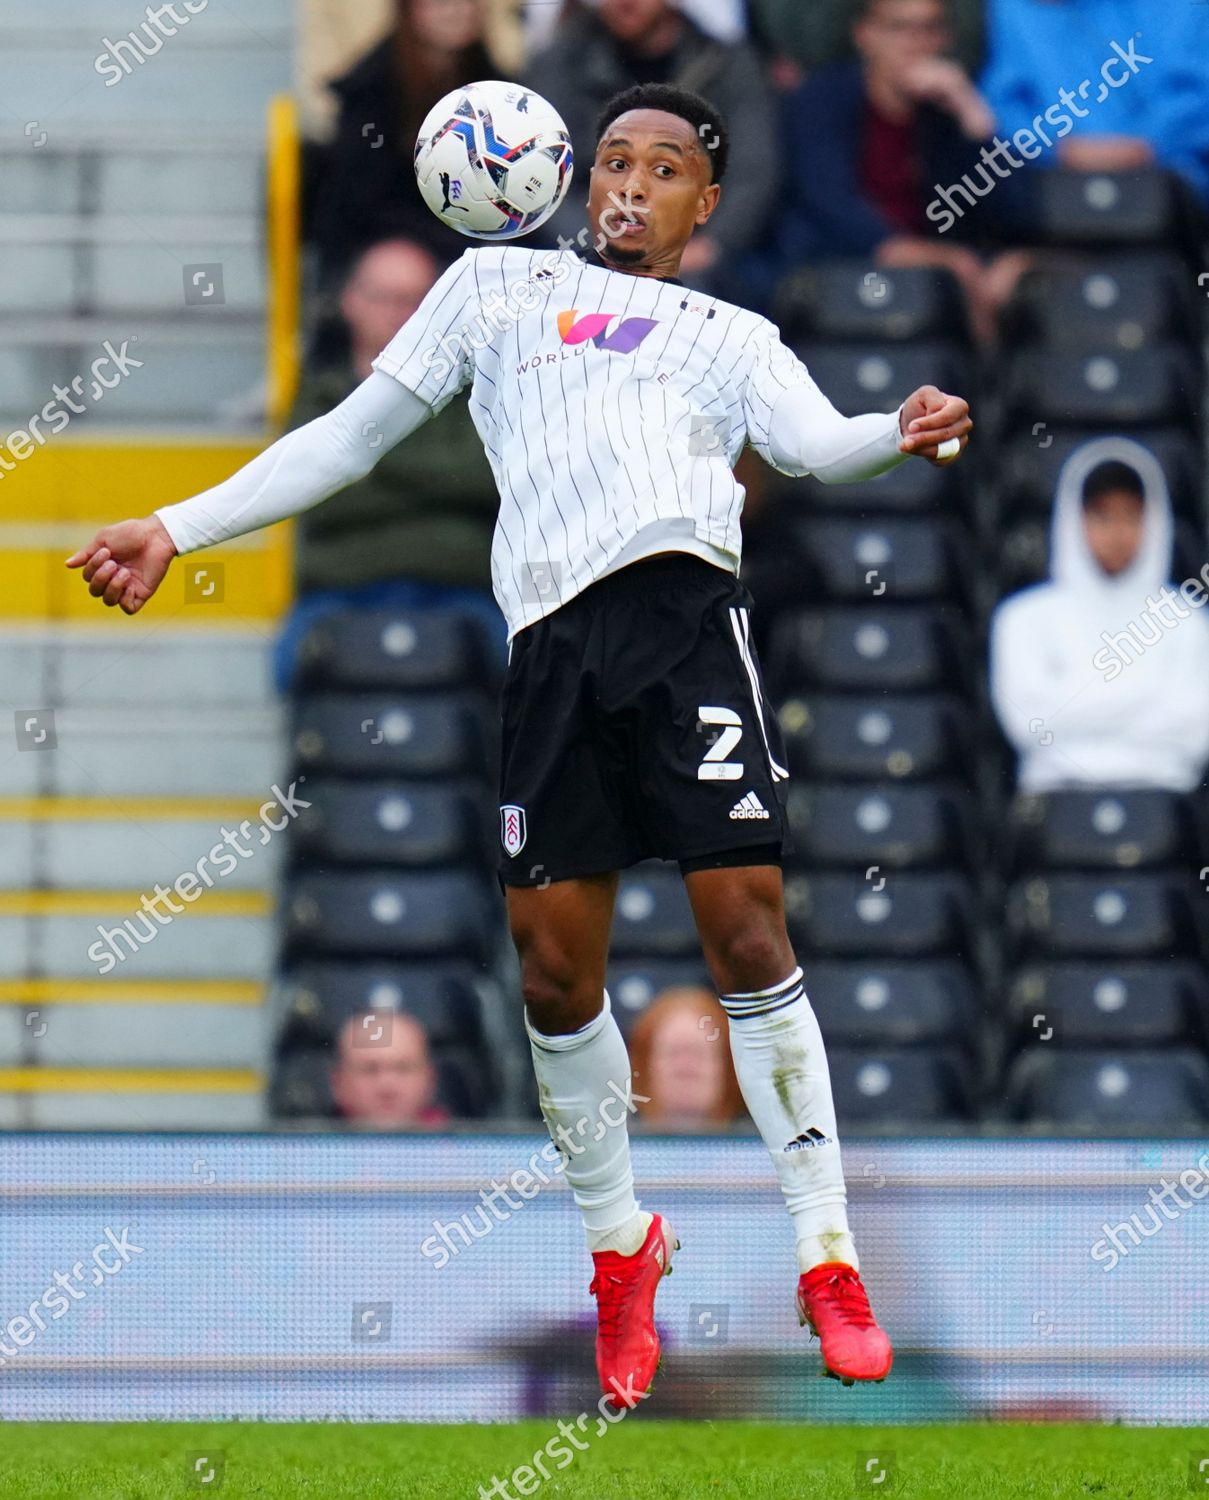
{"points": [[125, 564]]}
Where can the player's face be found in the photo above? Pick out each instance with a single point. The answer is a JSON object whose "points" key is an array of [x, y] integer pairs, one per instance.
{"points": [[1113, 525], [650, 188]]}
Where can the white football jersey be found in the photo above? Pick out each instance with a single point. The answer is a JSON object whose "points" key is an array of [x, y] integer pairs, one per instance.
{"points": [[612, 408]]}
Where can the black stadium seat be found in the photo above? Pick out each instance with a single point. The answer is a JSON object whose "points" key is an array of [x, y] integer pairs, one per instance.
{"points": [[863, 1002], [1156, 386], [906, 1085], [633, 983], [904, 561], [875, 737], [909, 489], [863, 914], [1105, 303], [843, 300], [1103, 830], [1106, 1090], [652, 916], [401, 823], [388, 914], [873, 377], [1092, 210], [393, 649], [902, 648], [1119, 916], [1085, 1004], [1023, 553], [317, 998], [390, 734], [894, 826]]}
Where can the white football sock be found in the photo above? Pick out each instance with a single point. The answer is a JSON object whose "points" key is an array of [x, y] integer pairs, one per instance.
{"points": [[781, 1065], [584, 1088]]}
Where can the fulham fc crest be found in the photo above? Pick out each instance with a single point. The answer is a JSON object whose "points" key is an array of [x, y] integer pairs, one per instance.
{"points": [[512, 828]]}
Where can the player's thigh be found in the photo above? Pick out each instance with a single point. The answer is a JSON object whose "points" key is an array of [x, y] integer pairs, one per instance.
{"points": [[740, 915], [561, 935]]}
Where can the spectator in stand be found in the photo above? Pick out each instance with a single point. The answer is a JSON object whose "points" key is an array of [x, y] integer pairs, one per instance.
{"points": [[1150, 106], [598, 53], [366, 189], [881, 131], [1094, 681], [383, 1075], [809, 35], [415, 533], [680, 1058]]}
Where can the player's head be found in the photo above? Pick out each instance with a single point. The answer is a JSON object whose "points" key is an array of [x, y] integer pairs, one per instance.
{"points": [[383, 1075], [660, 158], [893, 35], [385, 286], [1114, 510]]}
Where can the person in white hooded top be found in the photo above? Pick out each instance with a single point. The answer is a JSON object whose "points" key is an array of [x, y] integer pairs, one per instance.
{"points": [[1100, 677]]}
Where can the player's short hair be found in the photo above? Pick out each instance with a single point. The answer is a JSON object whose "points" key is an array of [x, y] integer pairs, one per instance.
{"points": [[1110, 477], [698, 112]]}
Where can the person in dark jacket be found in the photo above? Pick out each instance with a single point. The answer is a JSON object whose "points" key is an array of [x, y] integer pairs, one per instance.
{"points": [[597, 54], [875, 136], [416, 531], [365, 188]]}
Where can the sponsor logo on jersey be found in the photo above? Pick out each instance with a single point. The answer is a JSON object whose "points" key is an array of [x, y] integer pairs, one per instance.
{"points": [[813, 1137], [513, 829], [625, 338], [749, 807]]}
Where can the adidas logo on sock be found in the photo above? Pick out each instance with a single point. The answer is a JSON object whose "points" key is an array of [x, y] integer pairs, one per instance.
{"points": [[813, 1137], [750, 807]]}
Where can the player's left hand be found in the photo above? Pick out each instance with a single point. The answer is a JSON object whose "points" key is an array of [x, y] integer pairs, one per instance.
{"points": [[930, 418]]}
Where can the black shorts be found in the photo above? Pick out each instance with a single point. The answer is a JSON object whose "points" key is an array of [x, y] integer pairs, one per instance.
{"points": [[636, 726]]}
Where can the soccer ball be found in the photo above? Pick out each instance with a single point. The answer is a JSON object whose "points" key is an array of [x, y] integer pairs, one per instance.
{"points": [[493, 160]]}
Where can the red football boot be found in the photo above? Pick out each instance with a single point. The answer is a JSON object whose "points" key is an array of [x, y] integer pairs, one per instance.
{"points": [[627, 1346], [833, 1301]]}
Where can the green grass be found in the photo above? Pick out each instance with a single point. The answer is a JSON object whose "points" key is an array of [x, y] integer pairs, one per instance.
{"points": [[632, 1461]]}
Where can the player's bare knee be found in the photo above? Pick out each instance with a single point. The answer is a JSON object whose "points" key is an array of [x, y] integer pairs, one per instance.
{"points": [[751, 954], [556, 997]]}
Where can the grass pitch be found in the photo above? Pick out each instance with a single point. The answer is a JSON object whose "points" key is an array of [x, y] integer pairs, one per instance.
{"points": [[635, 1460]]}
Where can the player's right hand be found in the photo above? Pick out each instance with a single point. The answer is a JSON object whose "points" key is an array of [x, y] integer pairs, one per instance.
{"points": [[125, 564]]}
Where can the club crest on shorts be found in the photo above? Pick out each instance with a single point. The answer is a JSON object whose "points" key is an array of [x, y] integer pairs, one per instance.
{"points": [[513, 829]]}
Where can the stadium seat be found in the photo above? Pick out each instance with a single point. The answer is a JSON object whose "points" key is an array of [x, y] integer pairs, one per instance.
{"points": [[902, 561], [861, 1003], [911, 915], [842, 300], [391, 822], [1103, 303], [1073, 916], [382, 913], [1107, 1090], [1103, 830], [872, 377], [1023, 554], [1152, 387], [1082, 1004], [633, 983], [1028, 467], [653, 917], [900, 1086], [901, 648], [895, 826], [910, 489], [1096, 209], [380, 734], [402, 650], [875, 737], [315, 999]]}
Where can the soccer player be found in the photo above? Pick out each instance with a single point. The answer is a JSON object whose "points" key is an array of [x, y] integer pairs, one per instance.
{"points": [[613, 403]]}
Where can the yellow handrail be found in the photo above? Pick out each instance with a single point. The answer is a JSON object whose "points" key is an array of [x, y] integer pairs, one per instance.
{"points": [[283, 213]]}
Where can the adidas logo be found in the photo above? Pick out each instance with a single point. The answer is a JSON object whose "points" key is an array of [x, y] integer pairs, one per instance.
{"points": [[813, 1137], [750, 807]]}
